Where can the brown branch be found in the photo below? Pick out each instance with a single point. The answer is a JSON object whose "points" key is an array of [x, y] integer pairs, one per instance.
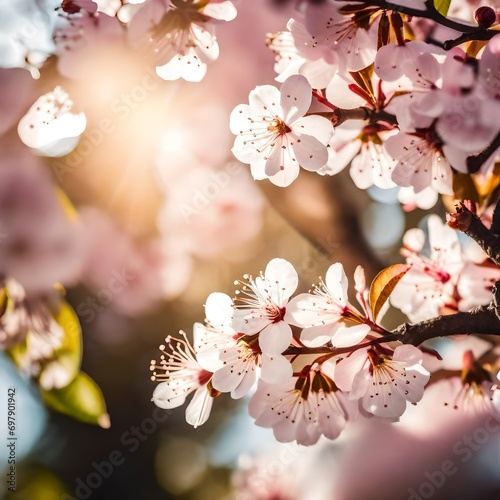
{"points": [[470, 224], [474, 163], [478, 34], [482, 320], [429, 13], [339, 115]]}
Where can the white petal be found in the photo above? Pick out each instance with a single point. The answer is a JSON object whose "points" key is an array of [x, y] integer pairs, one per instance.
{"points": [[336, 281], [347, 368], [275, 338], [165, 397], [283, 280], [296, 95], [219, 311], [310, 153], [276, 369], [349, 336], [264, 100], [198, 410]]}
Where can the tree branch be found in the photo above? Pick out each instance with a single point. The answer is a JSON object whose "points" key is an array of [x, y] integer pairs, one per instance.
{"points": [[482, 320], [474, 163], [470, 224], [429, 13]]}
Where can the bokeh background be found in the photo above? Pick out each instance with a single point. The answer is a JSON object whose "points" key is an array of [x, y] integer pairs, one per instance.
{"points": [[159, 195]]}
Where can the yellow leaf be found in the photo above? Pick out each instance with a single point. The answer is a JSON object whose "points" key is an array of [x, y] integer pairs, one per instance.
{"points": [[82, 400], [383, 285], [442, 6]]}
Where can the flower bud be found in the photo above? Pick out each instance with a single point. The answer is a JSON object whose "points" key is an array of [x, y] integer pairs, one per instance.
{"points": [[485, 16]]}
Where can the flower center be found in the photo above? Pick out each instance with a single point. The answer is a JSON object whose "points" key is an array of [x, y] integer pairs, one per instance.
{"points": [[279, 127]]}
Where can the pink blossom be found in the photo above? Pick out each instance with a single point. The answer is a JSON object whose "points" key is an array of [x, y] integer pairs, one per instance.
{"points": [[326, 314], [274, 136], [382, 380], [302, 409], [260, 306], [181, 374]]}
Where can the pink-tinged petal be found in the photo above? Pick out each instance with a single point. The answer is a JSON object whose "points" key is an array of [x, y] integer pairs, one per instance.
{"points": [[339, 157], [296, 95], [315, 126], [349, 336], [308, 310], [336, 281], [378, 402], [198, 410], [409, 354], [264, 100], [456, 158], [276, 369], [241, 119], [246, 382], [318, 335], [220, 10], [166, 397], [390, 58], [283, 280], [418, 377], [249, 321], [187, 67], [339, 93], [258, 169], [332, 417], [310, 153], [414, 239], [275, 338], [360, 384], [227, 378], [319, 72], [219, 311], [347, 368], [286, 176], [280, 158]]}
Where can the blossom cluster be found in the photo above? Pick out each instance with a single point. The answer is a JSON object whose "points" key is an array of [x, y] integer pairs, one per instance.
{"points": [[250, 340], [412, 114], [253, 344]]}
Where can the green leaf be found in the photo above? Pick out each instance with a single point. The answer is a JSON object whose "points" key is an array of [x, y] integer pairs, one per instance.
{"points": [[82, 400], [68, 357], [383, 285], [442, 6]]}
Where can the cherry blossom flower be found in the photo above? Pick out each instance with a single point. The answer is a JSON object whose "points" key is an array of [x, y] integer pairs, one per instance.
{"points": [[477, 390], [236, 359], [260, 306], [302, 409], [353, 38], [382, 380], [50, 128], [288, 60], [475, 284], [390, 59], [180, 374], [326, 314], [29, 328], [420, 161], [429, 285], [182, 34], [274, 136]]}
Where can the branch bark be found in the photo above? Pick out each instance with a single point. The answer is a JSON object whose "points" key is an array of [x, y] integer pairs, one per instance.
{"points": [[469, 223]]}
